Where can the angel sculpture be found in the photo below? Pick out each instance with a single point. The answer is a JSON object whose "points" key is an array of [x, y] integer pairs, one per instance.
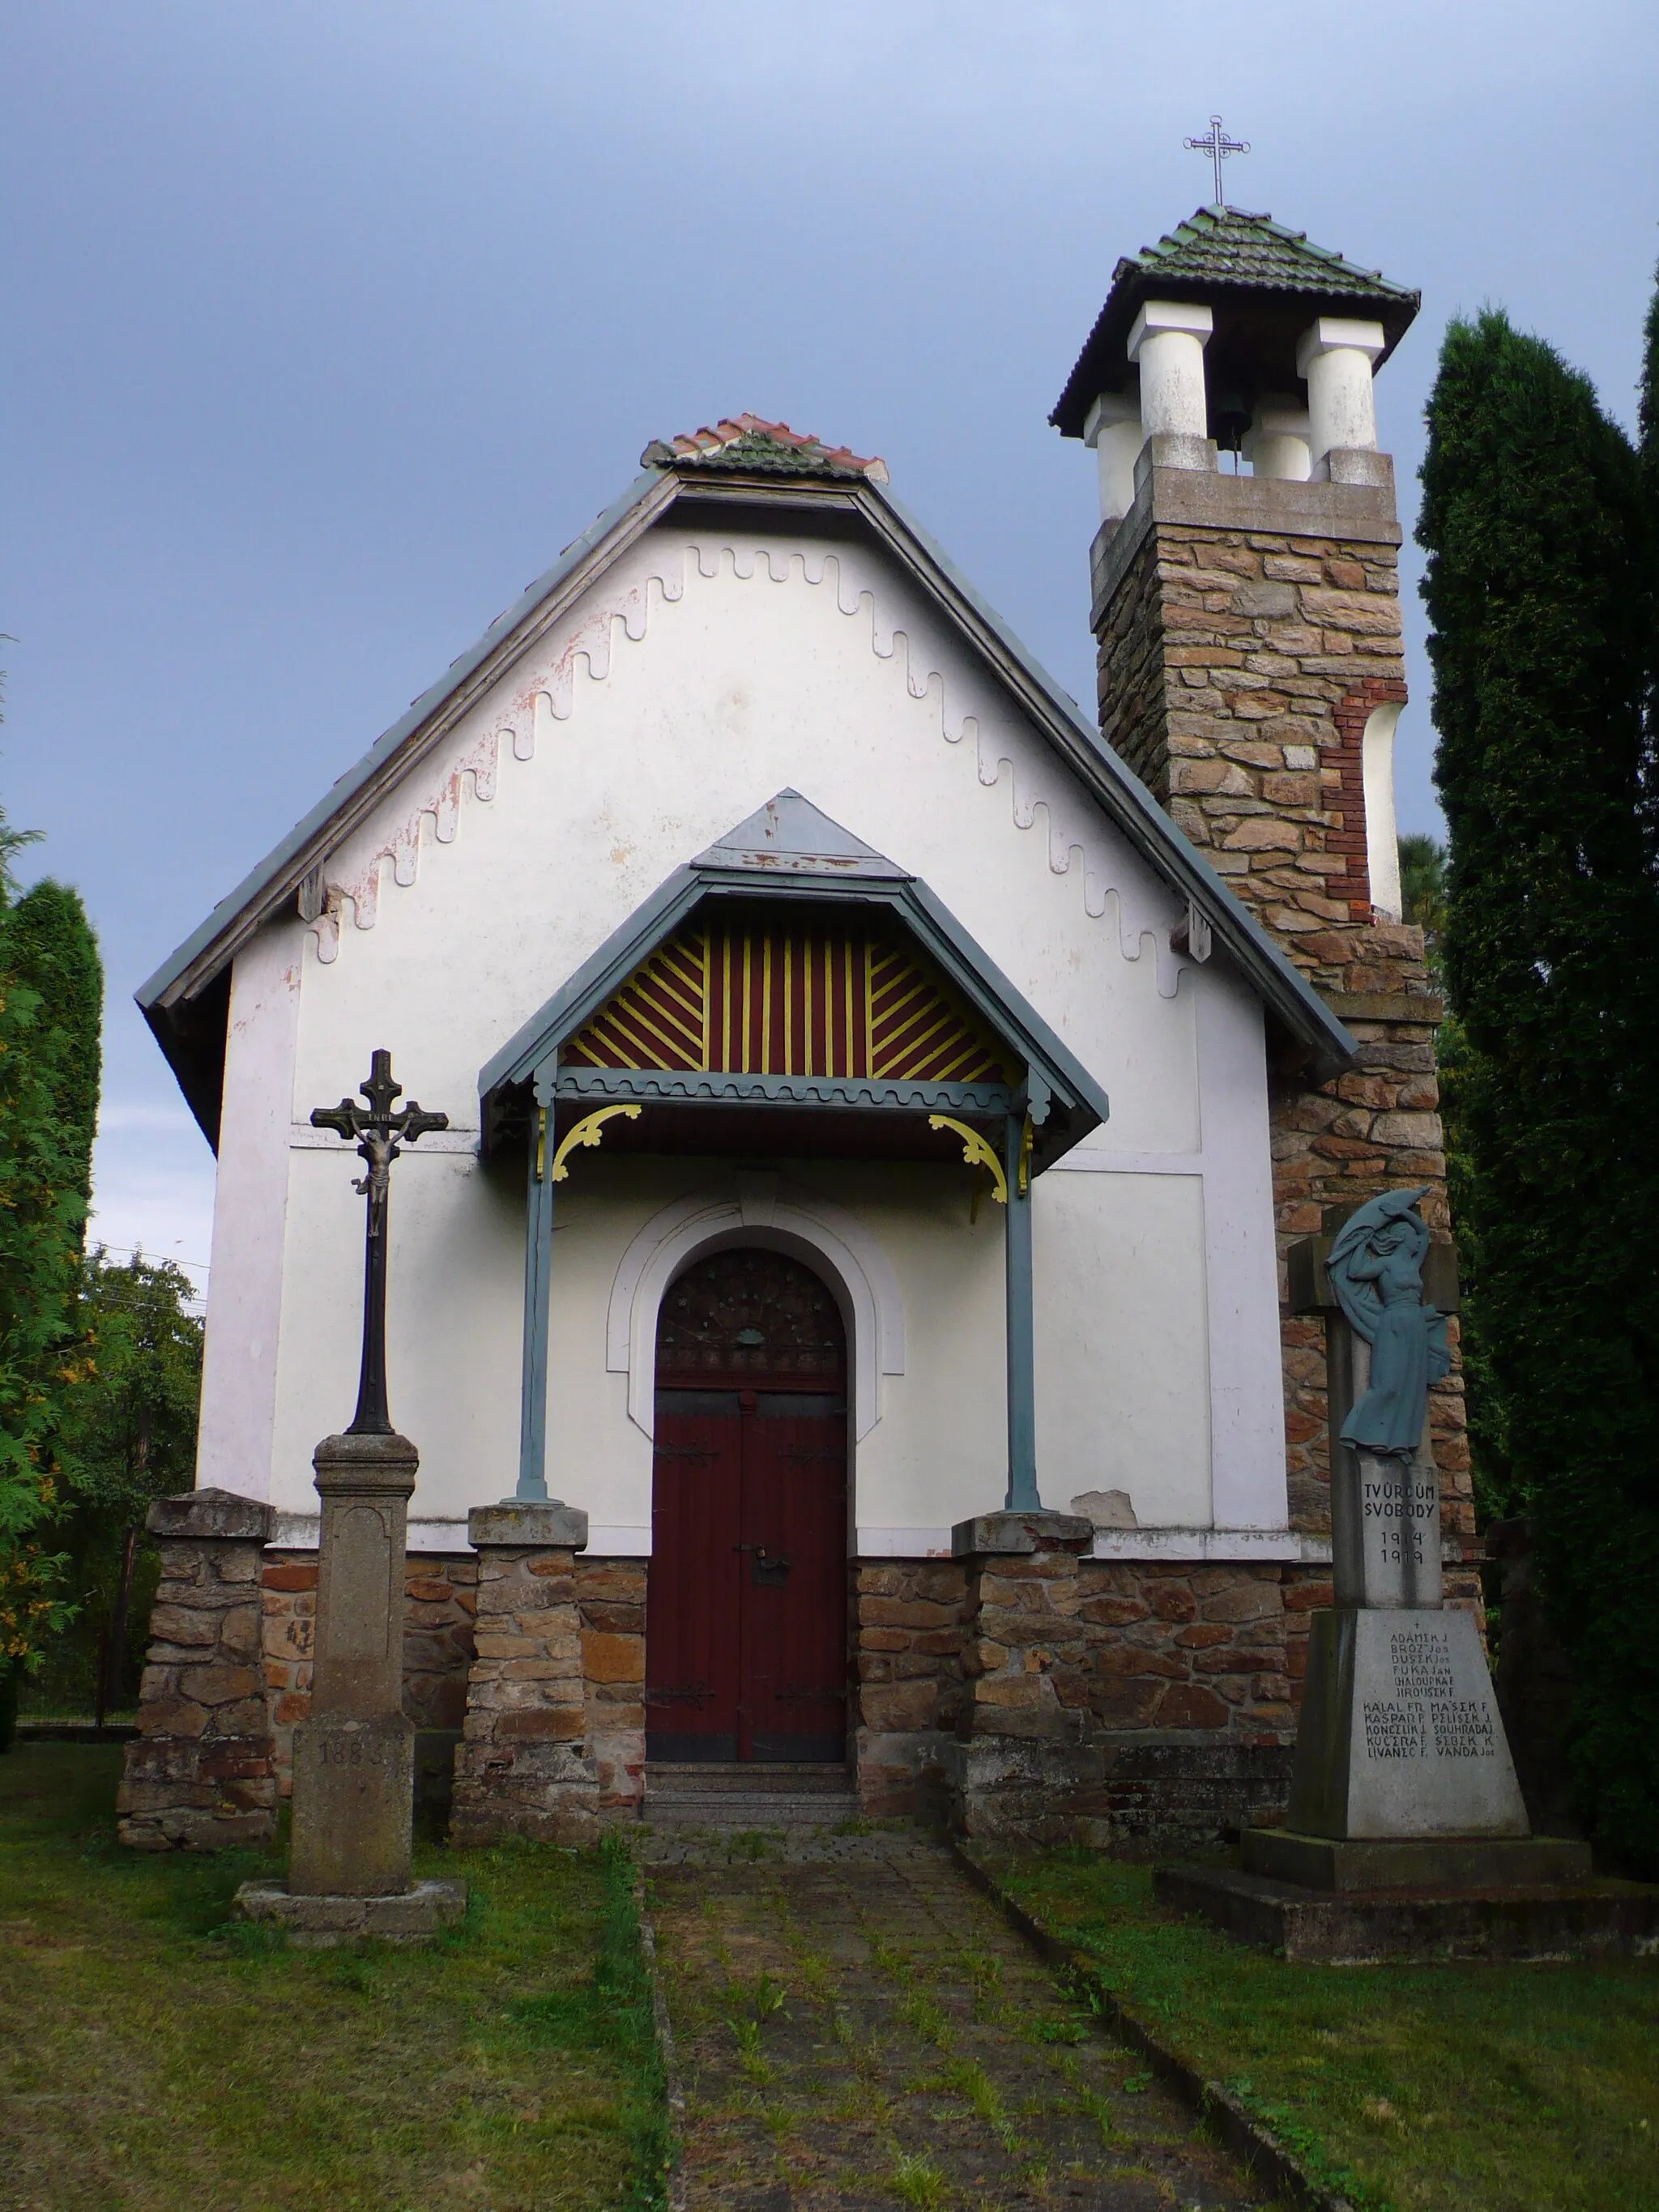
{"points": [[1376, 1269]]}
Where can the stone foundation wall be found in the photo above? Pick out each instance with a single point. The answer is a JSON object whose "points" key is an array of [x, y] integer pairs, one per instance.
{"points": [[610, 1602], [1136, 1706], [201, 1774], [907, 1628], [554, 1736], [441, 1597], [1133, 1705]]}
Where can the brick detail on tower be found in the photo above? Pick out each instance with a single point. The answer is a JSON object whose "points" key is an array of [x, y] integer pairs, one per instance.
{"points": [[1247, 631]]}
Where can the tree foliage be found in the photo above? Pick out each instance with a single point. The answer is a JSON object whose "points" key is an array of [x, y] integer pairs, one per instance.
{"points": [[1538, 592], [128, 1435], [51, 997], [1423, 891]]}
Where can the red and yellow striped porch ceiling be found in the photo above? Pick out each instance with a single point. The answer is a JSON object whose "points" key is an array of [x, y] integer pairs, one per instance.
{"points": [[757, 997]]}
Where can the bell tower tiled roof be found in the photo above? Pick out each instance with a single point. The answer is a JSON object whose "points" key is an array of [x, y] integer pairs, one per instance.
{"points": [[1257, 274]]}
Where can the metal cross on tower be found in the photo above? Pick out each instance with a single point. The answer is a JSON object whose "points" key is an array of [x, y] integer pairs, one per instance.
{"points": [[1218, 145], [377, 1129]]}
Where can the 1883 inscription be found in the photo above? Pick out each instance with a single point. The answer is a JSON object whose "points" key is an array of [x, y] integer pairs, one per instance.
{"points": [[1425, 1716]]}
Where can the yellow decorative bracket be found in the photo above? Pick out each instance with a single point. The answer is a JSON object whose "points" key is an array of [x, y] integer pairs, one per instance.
{"points": [[1025, 1141], [975, 1151], [588, 1131]]}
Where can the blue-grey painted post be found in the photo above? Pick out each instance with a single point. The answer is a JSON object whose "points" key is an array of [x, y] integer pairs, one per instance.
{"points": [[538, 1283], [1022, 1382]]}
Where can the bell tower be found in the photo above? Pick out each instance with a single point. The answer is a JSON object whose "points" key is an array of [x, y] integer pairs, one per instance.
{"points": [[1245, 609]]}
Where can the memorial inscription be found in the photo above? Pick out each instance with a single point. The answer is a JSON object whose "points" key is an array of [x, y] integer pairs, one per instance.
{"points": [[1400, 1735], [1425, 1719]]}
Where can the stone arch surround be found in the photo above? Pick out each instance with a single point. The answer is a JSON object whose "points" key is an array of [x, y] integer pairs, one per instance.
{"points": [[828, 1238]]}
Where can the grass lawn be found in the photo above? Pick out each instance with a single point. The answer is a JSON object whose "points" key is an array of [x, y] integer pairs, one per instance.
{"points": [[1463, 2088], [155, 2057]]}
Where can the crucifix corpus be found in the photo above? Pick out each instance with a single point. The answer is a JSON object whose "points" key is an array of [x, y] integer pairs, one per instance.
{"points": [[354, 1758], [1218, 145]]}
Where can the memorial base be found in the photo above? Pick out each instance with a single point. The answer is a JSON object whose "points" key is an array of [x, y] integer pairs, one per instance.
{"points": [[1367, 1927], [322, 1923], [1400, 1735], [1442, 1863]]}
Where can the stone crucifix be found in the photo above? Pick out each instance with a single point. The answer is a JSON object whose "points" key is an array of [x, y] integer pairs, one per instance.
{"points": [[354, 1764]]}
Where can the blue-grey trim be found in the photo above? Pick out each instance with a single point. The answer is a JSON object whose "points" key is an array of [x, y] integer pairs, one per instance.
{"points": [[208, 951], [1052, 1069], [696, 1086], [1019, 1307], [537, 1294]]}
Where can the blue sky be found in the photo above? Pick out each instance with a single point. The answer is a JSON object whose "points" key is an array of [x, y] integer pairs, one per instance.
{"points": [[328, 324]]}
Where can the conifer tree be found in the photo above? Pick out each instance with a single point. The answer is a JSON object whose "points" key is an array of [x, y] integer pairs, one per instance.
{"points": [[1536, 591], [51, 997]]}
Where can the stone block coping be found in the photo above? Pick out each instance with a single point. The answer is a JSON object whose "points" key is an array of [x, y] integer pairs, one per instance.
{"points": [[989, 1534], [521, 1525], [198, 1514]]}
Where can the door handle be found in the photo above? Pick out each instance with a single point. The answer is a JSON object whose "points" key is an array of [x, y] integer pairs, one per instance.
{"points": [[768, 1569]]}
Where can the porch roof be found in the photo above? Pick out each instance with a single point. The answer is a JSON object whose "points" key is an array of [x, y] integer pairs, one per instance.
{"points": [[789, 851]]}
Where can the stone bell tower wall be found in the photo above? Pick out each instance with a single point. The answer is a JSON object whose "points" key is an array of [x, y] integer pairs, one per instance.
{"points": [[1248, 632]]}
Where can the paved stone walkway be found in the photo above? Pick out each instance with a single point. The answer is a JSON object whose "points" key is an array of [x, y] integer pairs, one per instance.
{"points": [[856, 2027]]}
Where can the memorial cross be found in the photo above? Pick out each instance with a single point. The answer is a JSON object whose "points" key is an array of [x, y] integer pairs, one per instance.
{"points": [[378, 1129], [1218, 145]]}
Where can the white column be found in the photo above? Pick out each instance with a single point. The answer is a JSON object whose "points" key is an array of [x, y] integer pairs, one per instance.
{"points": [[1167, 343], [1276, 443], [1112, 427], [1335, 355]]}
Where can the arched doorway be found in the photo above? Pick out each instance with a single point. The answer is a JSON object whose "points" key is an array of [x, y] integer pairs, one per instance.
{"points": [[746, 1625]]}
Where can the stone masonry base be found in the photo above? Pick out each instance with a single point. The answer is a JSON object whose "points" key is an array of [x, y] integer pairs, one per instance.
{"points": [[201, 1773], [1132, 1706]]}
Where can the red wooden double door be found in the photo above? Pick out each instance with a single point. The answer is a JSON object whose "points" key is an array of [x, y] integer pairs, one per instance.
{"points": [[746, 1623]]}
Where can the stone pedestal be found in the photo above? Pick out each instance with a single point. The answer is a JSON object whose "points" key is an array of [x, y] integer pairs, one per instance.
{"points": [[1359, 1863], [525, 1766], [200, 1775], [1401, 1734], [1020, 1759], [354, 1765]]}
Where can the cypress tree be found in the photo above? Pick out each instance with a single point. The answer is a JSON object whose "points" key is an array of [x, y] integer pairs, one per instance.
{"points": [[52, 951], [50, 998], [1536, 591]]}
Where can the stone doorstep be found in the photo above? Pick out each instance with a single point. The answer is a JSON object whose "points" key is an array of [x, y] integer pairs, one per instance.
{"points": [[1440, 1863], [745, 1794], [318, 1924], [718, 1810], [1589, 1920], [788, 1778]]}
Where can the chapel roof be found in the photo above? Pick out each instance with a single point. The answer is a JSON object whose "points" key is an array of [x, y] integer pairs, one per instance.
{"points": [[186, 1000], [749, 444], [1236, 261]]}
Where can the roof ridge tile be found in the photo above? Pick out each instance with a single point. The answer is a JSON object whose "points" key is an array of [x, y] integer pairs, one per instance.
{"points": [[751, 443]]}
